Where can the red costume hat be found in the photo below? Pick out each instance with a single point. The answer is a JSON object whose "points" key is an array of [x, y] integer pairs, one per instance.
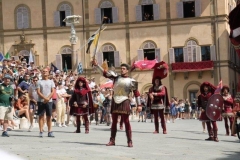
{"points": [[160, 70], [225, 87], [85, 90], [211, 87]]}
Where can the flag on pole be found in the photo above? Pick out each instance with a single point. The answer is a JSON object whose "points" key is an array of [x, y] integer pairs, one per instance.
{"points": [[30, 57], [65, 68], [1, 57], [7, 56], [219, 87], [53, 68], [93, 39], [80, 68]]}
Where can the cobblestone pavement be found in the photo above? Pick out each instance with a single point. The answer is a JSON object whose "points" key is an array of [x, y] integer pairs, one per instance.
{"points": [[184, 141]]}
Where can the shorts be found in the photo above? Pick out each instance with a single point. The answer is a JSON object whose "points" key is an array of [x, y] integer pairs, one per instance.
{"points": [[32, 105], [54, 105], [132, 106], [6, 113], [45, 107]]}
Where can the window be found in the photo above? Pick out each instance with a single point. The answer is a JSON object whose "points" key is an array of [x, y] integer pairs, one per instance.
{"points": [[108, 11], [149, 52], [147, 11], [110, 55], [189, 9], [206, 55], [22, 17], [64, 10], [178, 54]]}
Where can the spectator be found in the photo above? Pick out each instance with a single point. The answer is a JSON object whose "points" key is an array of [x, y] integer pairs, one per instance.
{"points": [[45, 90], [61, 104], [33, 96], [6, 110]]}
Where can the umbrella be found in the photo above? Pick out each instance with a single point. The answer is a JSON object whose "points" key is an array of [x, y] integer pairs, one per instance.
{"points": [[108, 84]]}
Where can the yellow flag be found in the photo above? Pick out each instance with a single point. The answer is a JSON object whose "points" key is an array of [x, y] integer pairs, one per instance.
{"points": [[95, 40]]}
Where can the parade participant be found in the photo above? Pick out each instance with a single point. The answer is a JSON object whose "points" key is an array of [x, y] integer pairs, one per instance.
{"points": [[122, 86], [6, 110], [227, 112], [158, 100], [207, 90], [45, 90], [81, 103]]}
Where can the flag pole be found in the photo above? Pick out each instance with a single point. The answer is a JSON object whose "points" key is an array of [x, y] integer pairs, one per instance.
{"points": [[100, 28]]}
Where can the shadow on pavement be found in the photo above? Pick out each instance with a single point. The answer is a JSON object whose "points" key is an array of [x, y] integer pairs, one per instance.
{"points": [[15, 135], [186, 138], [230, 155], [90, 144], [197, 132]]}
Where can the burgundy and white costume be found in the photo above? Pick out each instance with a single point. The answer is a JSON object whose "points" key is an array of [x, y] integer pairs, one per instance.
{"points": [[202, 103], [158, 104], [83, 97], [228, 110]]}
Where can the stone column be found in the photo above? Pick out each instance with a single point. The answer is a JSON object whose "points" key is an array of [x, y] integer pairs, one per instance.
{"points": [[73, 40]]}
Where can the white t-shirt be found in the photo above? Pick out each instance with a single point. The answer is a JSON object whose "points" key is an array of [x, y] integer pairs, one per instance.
{"points": [[60, 92]]}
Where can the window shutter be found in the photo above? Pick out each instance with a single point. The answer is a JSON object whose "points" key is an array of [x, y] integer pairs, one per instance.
{"points": [[68, 12], [140, 54], [57, 19], [185, 54], [198, 54], [189, 54], [25, 18], [180, 9], [114, 14], [100, 58], [19, 18], [156, 12], [59, 61], [139, 13], [158, 54], [198, 8], [213, 53], [194, 54], [171, 55], [116, 59], [98, 19]]}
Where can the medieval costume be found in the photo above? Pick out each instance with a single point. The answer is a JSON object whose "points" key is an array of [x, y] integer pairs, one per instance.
{"points": [[207, 90], [157, 101], [158, 96], [227, 111], [81, 103], [122, 86]]}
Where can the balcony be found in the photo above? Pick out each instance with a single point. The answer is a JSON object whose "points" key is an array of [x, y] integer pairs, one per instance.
{"points": [[187, 67], [192, 66]]}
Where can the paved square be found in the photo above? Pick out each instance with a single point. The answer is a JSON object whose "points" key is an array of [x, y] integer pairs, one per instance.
{"points": [[184, 141]]}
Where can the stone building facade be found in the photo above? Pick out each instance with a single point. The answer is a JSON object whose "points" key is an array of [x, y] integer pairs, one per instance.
{"points": [[190, 35]]}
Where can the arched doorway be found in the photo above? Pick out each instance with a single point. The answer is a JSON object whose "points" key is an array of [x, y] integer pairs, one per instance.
{"points": [[66, 58], [24, 54]]}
